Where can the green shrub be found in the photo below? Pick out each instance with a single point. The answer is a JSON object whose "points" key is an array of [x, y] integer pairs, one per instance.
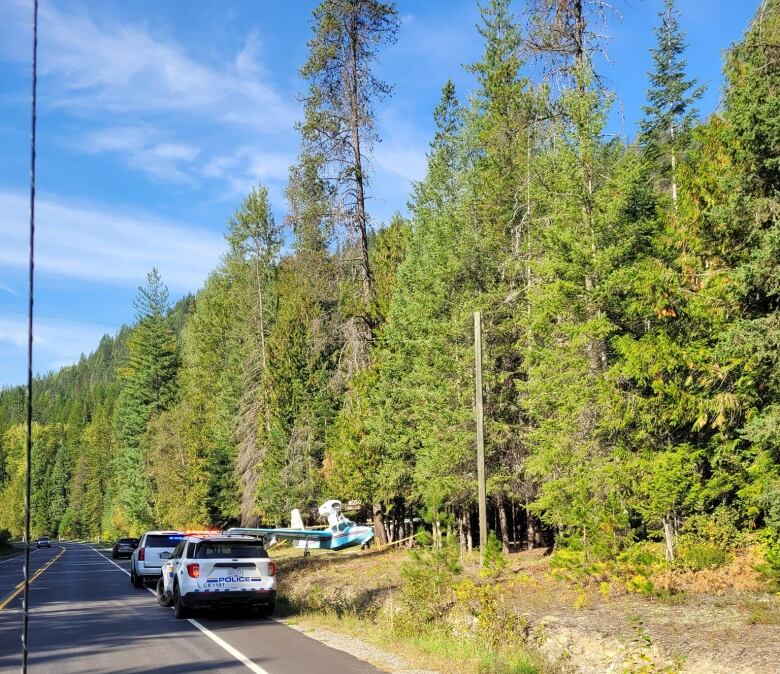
{"points": [[719, 529], [700, 556], [770, 569], [427, 578], [495, 559], [5, 537]]}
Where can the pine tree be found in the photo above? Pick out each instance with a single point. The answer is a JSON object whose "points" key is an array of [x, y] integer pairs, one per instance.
{"points": [[670, 112], [255, 242], [339, 119], [413, 402], [149, 388]]}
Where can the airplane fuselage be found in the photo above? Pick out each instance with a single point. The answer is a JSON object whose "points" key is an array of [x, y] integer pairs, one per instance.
{"points": [[349, 537]]}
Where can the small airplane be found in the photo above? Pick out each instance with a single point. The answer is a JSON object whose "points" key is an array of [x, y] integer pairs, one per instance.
{"points": [[340, 534]]}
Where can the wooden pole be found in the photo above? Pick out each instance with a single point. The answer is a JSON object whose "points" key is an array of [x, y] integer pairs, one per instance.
{"points": [[483, 527]]}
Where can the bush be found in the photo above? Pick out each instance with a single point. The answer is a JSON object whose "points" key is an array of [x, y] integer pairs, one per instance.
{"points": [[770, 569], [700, 556], [5, 538], [427, 578], [719, 529], [705, 541], [495, 559]]}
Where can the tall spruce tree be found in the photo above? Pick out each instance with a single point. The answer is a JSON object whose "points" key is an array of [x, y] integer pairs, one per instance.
{"points": [[670, 112], [149, 388]]}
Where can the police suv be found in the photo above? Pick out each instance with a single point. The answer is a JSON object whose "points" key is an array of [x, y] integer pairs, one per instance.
{"points": [[217, 570]]}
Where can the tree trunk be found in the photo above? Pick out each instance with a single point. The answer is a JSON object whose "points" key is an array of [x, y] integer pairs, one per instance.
{"points": [[669, 536], [532, 533], [502, 521], [461, 531], [379, 525], [360, 196], [674, 170]]}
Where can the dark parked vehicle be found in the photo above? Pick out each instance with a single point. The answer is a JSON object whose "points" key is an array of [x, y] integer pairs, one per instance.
{"points": [[43, 542], [124, 548]]}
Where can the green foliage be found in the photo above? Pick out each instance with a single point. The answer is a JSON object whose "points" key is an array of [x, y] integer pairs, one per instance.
{"points": [[428, 577], [700, 556], [670, 113], [494, 559], [771, 566], [630, 294]]}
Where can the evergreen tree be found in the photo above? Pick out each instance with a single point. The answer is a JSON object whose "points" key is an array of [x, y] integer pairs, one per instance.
{"points": [[255, 241], [149, 388], [670, 112], [339, 124]]}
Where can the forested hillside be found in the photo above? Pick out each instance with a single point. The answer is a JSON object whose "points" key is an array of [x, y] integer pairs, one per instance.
{"points": [[629, 290]]}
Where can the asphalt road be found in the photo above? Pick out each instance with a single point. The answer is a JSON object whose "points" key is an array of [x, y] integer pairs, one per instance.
{"points": [[87, 617]]}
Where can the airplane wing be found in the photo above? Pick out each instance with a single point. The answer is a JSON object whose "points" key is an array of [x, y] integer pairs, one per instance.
{"points": [[285, 534]]}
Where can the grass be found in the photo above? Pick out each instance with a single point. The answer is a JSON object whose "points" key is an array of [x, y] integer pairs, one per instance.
{"points": [[763, 612], [434, 647]]}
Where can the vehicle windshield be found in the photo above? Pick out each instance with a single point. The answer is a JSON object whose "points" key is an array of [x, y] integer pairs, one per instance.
{"points": [[230, 550], [162, 540]]}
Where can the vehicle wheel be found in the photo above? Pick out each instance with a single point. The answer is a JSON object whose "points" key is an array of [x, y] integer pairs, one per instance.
{"points": [[162, 598], [113, 555], [179, 610], [135, 579]]}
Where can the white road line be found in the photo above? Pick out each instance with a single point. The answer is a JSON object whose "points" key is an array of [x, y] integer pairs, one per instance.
{"points": [[19, 556], [238, 655]]}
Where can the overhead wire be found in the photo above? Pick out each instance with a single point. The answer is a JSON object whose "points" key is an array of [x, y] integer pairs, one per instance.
{"points": [[31, 288]]}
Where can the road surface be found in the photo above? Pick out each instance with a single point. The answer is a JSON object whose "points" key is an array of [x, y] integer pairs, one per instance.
{"points": [[87, 617]]}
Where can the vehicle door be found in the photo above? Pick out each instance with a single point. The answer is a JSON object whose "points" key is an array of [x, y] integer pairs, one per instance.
{"points": [[169, 567]]}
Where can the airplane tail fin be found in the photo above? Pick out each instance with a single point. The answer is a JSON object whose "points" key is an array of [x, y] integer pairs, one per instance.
{"points": [[296, 521]]}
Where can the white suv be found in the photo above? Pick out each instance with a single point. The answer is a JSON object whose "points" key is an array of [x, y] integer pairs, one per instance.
{"points": [[219, 570], [154, 548]]}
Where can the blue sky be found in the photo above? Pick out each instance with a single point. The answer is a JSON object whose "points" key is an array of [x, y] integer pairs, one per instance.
{"points": [[155, 118]]}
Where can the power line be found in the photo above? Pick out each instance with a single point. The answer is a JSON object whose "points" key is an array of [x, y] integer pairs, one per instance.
{"points": [[62, 318]]}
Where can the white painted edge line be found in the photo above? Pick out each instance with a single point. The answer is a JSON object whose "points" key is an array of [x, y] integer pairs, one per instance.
{"points": [[15, 557], [238, 655]]}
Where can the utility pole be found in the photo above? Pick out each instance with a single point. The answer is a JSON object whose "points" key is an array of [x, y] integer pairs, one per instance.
{"points": [[483, 531]]}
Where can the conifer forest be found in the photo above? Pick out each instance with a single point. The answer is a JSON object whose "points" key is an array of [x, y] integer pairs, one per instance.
{"points": [[629, 291]]}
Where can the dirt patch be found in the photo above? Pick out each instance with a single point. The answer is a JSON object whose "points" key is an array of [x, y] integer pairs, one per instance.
{"points": [[388, 662]]}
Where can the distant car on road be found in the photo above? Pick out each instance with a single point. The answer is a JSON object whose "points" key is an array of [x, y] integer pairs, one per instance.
{"points": [[154, 548], [43, 542], [218, 570], [124, 548]]}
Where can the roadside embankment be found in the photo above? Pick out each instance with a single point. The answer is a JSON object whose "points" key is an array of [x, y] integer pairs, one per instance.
{"points": [[528, 616]]}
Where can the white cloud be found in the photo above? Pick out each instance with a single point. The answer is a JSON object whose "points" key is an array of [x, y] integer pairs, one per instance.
{"points": [[145, 97], [56, 343], [102, 245], [247, 166], [8, 289], [142, 150], [13, 331], [407, 161], [102, 64]]}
